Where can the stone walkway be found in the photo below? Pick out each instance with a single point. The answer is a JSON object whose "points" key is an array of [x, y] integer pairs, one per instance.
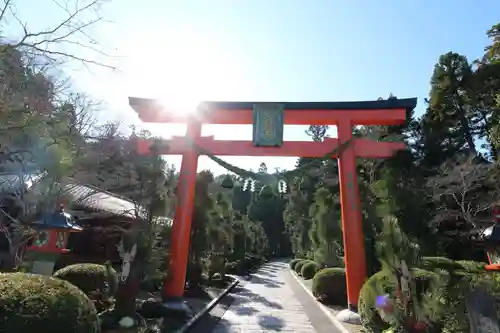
{"points": [[269, 302]]}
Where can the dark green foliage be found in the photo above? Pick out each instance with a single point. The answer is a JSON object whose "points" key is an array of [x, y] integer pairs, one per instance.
{"points": [[34, 304], [454, 319], [329, 286], [385, 282], [249, 265], [89, 278], [325, 233], [309, 270], [227, 182], [370, 319], [472, 266], [299, 265], [294, 262], [433, 263], [266, 192]]}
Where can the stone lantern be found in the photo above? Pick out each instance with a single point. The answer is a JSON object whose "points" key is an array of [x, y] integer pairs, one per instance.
{"points": [[51, 241]]}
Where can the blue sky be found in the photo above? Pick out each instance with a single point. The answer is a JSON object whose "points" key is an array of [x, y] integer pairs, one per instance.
{"points": [[289, 50]]}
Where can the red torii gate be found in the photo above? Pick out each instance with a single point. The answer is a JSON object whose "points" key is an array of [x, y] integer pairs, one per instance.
{"points": [[344, 115]]}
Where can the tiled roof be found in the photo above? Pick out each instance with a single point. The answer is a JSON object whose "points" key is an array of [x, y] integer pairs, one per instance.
{"points": [[84, 195], [97, 199], [10, 181]]}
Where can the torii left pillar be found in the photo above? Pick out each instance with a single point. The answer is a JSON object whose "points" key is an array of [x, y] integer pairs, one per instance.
{"points": [[179, 248]]}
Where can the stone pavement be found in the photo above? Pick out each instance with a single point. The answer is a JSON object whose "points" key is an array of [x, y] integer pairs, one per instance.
{"points": [[273, 302]]}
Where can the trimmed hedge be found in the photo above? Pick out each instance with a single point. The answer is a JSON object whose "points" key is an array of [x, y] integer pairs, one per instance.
{"points": [[370, 318], [434, 263], [460, 283], [34, 303], [472, 266], [329, 286], [294, 262], [309, 269], [90, 278], [298, 266], [465, 282]]}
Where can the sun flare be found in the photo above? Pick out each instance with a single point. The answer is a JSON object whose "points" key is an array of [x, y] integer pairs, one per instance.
{"points": [[180, 104], [189, 69]]}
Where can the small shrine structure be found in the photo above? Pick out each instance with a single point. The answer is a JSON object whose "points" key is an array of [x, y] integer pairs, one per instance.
{"points": [[51, 240]]}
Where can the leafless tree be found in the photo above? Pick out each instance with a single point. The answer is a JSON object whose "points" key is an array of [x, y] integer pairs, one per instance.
{"points": [[18, 236], [62, 41], [464, 192]]}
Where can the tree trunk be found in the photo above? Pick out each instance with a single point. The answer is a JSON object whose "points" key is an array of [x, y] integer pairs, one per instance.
{"points": [[126, 297]]}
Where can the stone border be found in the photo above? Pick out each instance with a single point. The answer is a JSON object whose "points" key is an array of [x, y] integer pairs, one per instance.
{"points": [[323, 308], [209, 306]]}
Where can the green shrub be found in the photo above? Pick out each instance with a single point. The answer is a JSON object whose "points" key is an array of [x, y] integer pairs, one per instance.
{"points": [[309, 269], [454, 318], [329, 286], [465, 282], [298, 266], [294, 262], [34, 303], [370, 318], [435, 263], [90, 278], [472, 266], [251, 264]]}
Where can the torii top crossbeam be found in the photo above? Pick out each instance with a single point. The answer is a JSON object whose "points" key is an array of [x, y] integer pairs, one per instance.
{"points": [[380, 112]]}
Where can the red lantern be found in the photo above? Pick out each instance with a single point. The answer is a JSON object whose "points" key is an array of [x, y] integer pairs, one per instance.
{"points": [[54, 234], [493, 234], [495, 212]]}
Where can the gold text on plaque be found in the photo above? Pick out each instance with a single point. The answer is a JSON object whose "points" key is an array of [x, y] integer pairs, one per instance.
{"points": [[268, 123]]}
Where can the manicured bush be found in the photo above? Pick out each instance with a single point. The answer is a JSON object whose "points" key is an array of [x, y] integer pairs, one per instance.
{"points": [[90, 278], [370, 318], [436, 263], [329, 286], [298, 266], [460, 283], [244, 266], [472, 266], [294, 262], [309, 269], [466, 282], [32, 303]]}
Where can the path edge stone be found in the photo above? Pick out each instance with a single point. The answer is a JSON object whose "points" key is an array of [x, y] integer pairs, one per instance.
{"points": [[186, 327], [323, 308]]}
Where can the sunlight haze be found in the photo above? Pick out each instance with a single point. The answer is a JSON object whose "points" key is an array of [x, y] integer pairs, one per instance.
{"points": [[184, 52]]}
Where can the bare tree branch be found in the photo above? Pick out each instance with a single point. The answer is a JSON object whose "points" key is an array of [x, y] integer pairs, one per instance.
{"points": [[465, 191], [48, 45]]}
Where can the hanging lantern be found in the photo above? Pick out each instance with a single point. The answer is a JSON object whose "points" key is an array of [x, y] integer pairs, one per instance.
{"points": [[252, 186], [246, 184], [227, 182], [282, 187]]}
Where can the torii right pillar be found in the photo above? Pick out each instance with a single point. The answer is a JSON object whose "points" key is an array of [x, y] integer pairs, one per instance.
{"points": [[352, 221]]}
